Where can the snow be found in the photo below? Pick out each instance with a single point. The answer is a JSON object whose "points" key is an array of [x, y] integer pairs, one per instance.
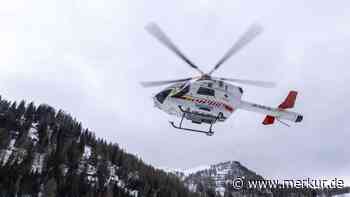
{"points": [[121, 183], [217, 172], [192, 187], [38, 162], [64, 169], [220, 190], [186, 172], [12, 144], [195, 169], [6, 156], [112, 171], [170, 170], [134, 193], [87, 152], [33, 134], [8, 151]]}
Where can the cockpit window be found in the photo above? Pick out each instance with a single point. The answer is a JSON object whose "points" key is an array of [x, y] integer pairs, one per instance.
{"points": [[183, 91], [162, 95], [206, 91]]}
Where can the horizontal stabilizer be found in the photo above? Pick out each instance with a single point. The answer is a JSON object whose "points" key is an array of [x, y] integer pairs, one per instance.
{"points": [[269, 120]]}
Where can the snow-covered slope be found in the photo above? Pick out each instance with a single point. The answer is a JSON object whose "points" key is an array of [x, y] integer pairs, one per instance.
{"points": [[13, 154], [182, 173], [216, 176], [213, 177]]}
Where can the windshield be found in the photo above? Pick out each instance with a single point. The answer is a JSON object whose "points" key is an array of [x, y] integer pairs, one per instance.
{"points": [[162, 95]]}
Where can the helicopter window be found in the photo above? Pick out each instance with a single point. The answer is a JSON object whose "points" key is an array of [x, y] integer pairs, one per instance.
{"points": [[183, 91], [221, 84], [206, 91], [162, 95]]}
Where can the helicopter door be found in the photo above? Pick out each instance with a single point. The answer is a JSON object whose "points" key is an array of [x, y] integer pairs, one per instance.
{"points": [[208, 93]]}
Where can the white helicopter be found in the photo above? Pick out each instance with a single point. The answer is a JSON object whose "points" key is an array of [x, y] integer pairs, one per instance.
{"points": [[208, 99]]}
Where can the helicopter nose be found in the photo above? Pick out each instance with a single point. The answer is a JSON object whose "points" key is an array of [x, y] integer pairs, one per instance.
{"points": [[156, 103]]}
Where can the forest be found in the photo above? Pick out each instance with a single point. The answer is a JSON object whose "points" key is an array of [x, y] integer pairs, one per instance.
{"points": [[44, 152]]}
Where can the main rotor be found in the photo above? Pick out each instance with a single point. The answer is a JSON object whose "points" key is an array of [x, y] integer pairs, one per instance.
{"points": [[252, 32]]}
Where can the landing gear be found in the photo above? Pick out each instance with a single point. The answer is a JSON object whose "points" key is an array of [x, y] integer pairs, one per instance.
{"points": [[197, 118]]}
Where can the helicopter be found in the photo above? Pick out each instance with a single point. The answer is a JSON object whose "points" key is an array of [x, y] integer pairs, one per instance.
{"points": [[208, 99]]}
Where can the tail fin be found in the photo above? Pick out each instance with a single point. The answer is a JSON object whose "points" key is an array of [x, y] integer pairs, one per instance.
{"points": [[288, 102]]}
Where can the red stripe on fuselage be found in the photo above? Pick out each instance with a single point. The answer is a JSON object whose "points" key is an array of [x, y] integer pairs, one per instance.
{"points": [[209, 102]]}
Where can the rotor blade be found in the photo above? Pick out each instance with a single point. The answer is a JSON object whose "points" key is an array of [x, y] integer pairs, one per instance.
{"points": [[157, 32], [265, 84], [159, 83], [253, 31]]}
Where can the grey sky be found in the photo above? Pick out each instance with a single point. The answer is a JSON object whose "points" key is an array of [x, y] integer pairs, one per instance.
{"points": [[87, 58]]}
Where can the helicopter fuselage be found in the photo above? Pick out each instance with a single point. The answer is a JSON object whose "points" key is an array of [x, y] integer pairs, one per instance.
{"points": [[208, 100]]}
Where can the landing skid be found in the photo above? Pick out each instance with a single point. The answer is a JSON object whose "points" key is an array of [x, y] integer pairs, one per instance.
{"points": [[184, 113], [209, 133]]}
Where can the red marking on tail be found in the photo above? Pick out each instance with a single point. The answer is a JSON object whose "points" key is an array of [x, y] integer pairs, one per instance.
{"points": [[269, 120], [288, 102]]}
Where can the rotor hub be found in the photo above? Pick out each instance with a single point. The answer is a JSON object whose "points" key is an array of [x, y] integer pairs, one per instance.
{"points": [[205, 77]]}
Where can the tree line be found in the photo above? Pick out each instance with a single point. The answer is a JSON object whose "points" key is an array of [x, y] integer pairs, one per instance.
{"points": [[58, 141]]}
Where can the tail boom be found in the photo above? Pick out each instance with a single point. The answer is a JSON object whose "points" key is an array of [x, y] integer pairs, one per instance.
{"points": [[279, 113], [271, 112]]}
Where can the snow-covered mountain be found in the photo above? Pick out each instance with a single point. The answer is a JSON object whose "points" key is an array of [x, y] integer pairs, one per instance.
{"points": [[216, 180], [220, 174]]}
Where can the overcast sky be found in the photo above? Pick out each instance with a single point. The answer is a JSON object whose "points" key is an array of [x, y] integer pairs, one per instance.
{"points": [[88, 56]]}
